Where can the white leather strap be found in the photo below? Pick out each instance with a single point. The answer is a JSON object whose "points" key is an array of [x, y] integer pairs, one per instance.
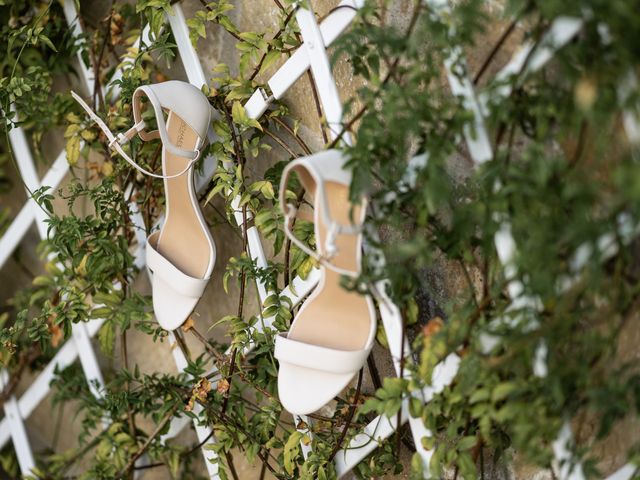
{"points": [[163, 268], [327, 166], [116, 142], [318, 358], [162, 127]]}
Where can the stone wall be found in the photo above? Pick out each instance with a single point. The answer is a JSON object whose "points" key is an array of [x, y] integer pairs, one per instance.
{"points": [[442, 282]]}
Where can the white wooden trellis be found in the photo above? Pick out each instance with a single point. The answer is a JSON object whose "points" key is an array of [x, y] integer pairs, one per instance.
{"points": [[312, 54]]}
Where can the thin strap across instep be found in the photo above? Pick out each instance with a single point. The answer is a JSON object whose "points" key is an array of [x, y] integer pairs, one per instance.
{"points": [[317, 357], [178, 280], [116, 142]]}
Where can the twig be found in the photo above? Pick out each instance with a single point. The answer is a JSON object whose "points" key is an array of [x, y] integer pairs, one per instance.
{"points": [[232, 467], [269, 48], [125, 357], [469, 282], [263, 472], [373, 371], [238, 149], [125, 362], [582, 138], [281, 142], [167, 418], [230, 32], [26, 358], [206, 344], [243, 279], [352, 411], [496, 48], [297, 137], [401, 375]]}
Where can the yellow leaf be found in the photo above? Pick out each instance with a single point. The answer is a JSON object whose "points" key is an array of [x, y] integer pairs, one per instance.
{"points": [[71, 130], [72, 118], [88, 135], [238, 113], [585, 93], [81, 269], [73, 150], [107, 169]]}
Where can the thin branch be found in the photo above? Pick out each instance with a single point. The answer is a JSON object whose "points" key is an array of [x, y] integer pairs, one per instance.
{"points": [[269, 48], [232, 467], [297, 137], [494, 51], [230, 32], [282, 143], [352, 411], [373, 371], [125, 363], [243, 281], [26, 358], [163, 423]]}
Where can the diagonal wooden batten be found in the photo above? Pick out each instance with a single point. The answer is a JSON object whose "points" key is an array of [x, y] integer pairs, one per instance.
{"points": [[627, 472], [204, 433], [13, 426]]}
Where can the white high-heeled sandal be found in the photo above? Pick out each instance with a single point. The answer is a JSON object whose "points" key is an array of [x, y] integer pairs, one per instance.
{"points": [[333, 333], [182, 254]]}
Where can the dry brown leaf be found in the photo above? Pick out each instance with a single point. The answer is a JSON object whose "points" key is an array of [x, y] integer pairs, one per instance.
{"points": [[223, 386], [57, 335], [433, 326], [199, 392], [188, 324], [202, 389]]}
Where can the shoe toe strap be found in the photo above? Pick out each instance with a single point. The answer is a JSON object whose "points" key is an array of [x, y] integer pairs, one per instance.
{"points": [[317, 357], [170, 274]]}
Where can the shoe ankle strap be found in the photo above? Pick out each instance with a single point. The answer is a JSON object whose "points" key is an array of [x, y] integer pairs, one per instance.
{"points": [[117, 141], [314, 171], [161, 132]]}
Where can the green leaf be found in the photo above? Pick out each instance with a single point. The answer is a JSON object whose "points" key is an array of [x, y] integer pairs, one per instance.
{"points": [[107, 338], [502, 390], [270, 58], [479, 396], [291, 451], [465, 443], [238, 113]]}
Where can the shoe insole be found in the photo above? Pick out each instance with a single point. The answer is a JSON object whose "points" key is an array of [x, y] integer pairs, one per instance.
{"points": [[332, 316], [182, 239]]}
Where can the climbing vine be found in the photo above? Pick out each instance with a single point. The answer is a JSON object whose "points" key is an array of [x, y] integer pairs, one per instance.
{"points": [[563, 175]]}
